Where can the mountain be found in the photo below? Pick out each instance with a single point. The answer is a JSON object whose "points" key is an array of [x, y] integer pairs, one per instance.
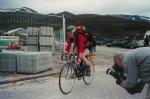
{"points": [[110, 25], [23, 9], [134, 17], [99, 25], [66, 14], [127, 17]]}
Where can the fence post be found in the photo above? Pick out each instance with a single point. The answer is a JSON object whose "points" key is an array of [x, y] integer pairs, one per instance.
{"points": [[64, 33]]}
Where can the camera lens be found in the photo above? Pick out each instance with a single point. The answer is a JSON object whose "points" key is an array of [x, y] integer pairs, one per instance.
{"points": [[108, 71]]}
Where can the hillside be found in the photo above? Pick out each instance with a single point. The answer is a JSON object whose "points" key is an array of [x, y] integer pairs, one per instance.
{"points": [[109, 25]]}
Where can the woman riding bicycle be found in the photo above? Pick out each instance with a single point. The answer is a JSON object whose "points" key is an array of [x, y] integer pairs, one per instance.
{"points": [[75, 67], [82, 45]]}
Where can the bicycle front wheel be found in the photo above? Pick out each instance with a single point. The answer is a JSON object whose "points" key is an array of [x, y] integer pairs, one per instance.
{"points": [[88, 78], [67, 78]]}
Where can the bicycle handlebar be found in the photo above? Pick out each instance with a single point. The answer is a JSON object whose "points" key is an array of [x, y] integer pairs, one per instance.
{"points": [[68, 56], [71, 56]]}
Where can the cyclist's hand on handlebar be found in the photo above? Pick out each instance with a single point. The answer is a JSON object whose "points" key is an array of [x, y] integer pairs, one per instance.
{"points": [[66, 52], [65, 55], [80, 55]]}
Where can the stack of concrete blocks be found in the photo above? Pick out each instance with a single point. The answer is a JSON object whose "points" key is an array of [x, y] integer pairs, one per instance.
{"points": [[25, 62], [46, 38], [34, 62], [33, 38], [41, 39], [8, 61]]}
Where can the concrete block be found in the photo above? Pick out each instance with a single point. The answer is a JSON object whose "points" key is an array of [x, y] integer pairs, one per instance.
{"points": [[46, 48], [32, 40], [29, 30], [8, 62], [44, 40], [46, 31], [33, 31], [36, 31], [25, 62], [51, 41], [43, 30], [50, 31], [33, 62], [32, 48]]}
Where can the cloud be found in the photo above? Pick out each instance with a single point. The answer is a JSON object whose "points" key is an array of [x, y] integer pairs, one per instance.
{"points": [[139, 7]]}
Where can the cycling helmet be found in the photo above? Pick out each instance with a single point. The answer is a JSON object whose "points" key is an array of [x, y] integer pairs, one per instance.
{"points": [[70, 28]]}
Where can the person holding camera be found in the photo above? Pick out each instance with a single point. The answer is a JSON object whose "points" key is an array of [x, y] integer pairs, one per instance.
{"points": [[132, 70]]}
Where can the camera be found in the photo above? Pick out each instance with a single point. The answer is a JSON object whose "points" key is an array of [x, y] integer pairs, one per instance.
{"points": [[117, 73]]}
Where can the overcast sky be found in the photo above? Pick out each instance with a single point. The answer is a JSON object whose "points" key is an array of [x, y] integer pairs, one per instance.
{"points": [[102, 7]]}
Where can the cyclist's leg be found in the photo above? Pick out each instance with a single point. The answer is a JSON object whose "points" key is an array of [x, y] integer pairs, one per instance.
{"points": [[85, 53], [88, 64], [76, 57]]}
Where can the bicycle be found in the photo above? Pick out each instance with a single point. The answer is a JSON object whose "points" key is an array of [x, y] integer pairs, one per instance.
{"points": [[71, 70]]}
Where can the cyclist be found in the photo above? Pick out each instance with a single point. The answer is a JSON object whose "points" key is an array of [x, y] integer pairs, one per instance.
{"points": [[82, 45]]}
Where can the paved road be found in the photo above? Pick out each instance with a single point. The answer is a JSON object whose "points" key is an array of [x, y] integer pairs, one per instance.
{"points": [[103, 86]]}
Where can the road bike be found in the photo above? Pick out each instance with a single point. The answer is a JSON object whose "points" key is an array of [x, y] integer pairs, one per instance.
{"points": [[72, 70]]}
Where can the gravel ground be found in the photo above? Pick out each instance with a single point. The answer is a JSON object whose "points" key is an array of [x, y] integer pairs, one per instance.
{"points": [[103, 87], [105, 60], [105, 56]]}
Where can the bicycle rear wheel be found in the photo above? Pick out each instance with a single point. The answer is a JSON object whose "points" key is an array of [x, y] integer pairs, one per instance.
{"points": [[67, 78], [89, 78]]}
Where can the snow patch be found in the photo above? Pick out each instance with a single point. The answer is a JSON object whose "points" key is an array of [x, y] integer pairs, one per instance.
{"points": [[23, 9]]}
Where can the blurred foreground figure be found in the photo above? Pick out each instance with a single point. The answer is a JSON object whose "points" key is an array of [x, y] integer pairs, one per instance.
{"points": [[132, 70]]}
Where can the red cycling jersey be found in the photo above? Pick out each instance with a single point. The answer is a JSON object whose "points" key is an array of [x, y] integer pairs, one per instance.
{"points": [[82, 42]]}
